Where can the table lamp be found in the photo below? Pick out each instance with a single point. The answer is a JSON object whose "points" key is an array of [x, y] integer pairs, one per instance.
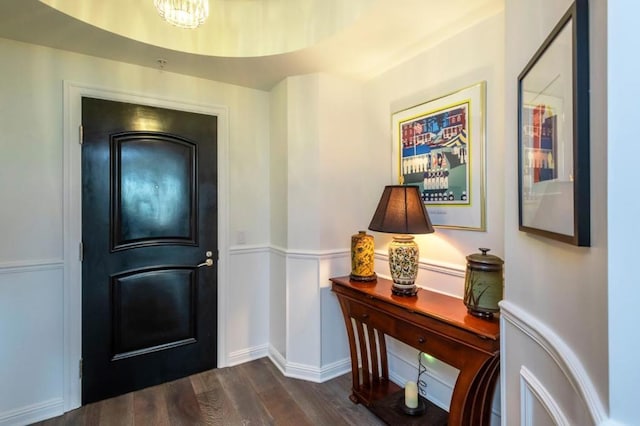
{"points": [[401, 211]]}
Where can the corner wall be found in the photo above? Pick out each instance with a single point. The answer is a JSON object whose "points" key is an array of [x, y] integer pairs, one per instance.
{"points": [[623, 231], [554, 322], [317, 184]]}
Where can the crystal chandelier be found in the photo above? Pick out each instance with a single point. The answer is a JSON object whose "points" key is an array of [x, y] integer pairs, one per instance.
{"points": [[183, 13]]}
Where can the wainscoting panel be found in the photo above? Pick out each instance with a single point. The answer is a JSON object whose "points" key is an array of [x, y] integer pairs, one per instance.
{"points": [[537, 407], [335, 343], [31, 341], [246, 355], [303, 310], [277, 301], [316, 343], [247, 322], [544, 380]]}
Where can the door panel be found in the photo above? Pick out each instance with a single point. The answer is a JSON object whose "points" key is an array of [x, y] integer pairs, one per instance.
{"points": [[154, 190], [136, 327], [149, 218]]}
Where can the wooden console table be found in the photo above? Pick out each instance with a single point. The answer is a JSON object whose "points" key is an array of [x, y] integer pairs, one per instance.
{"points": [[431, 322]]}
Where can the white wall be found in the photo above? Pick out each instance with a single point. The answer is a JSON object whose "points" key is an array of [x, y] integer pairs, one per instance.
{"points": [[555, 309], [31, 190], [623, 231], [330, 165], [278, 184], [31, 342], [316, 151], [474, 55]]}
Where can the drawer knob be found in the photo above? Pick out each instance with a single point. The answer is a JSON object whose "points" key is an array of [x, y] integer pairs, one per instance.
{"points": [[365, 316], [421, 339]]}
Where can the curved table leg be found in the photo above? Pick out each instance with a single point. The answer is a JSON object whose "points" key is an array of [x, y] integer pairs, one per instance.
{"points": [[472, 394], [355, 377]]}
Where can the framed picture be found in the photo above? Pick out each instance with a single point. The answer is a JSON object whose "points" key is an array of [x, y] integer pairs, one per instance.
{"points": [[553, 134], [439, 146]]}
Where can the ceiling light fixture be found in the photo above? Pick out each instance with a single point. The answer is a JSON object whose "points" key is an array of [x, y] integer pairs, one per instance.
{"points": [[183, 13]]}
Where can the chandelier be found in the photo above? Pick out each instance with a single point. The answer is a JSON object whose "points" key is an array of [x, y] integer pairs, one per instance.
{"points": [[183, 13]]}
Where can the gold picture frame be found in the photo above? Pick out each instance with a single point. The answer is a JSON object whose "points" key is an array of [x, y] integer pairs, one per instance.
{"points": [[439, 146]]}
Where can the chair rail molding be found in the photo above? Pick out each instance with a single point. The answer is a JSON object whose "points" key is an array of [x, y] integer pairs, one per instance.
{"points": [[16, 267]]}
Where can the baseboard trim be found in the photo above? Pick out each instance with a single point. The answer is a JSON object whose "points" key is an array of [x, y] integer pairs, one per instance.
{"points": [[246, 355], [278, 360], [335, 369], [308, 372], [33, 413], [315, 374]]}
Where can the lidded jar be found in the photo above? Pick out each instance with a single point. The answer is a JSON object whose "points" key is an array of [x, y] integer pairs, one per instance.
{"points": [[483, 284], [362, 254]]}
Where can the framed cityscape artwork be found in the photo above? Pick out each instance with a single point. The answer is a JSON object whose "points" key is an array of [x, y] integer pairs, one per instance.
{"points": [[439, 146], [553, 134]]}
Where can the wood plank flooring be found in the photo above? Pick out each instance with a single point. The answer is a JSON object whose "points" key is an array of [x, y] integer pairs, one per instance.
{"points": [[255, 393]]}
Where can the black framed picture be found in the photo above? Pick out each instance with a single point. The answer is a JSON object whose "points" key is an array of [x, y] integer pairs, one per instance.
{"points": [[553, 134]]}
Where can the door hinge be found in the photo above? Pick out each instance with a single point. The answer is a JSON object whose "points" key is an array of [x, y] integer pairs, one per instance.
{"points": [[81, 252], [81, 135], [80, 368]]}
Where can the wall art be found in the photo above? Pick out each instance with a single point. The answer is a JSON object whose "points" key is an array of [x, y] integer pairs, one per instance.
{"points": [[553, 134], [440, 147]]}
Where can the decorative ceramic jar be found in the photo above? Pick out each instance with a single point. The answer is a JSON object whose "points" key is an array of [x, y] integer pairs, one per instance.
{"points": [[362, 257], [404, 255], [483, 284]]}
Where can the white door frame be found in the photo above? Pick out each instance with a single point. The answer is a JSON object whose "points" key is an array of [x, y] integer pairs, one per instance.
{"points": [[72, 216]]}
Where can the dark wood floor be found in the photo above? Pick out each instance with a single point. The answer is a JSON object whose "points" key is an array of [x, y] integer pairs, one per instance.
{"points": [[255, 393]]}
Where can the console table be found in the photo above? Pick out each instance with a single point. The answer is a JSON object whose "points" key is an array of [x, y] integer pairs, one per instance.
{"points": [[431, 322]]}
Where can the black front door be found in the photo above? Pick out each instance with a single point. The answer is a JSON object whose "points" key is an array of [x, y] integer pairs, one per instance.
{"points": [[149, 231]]}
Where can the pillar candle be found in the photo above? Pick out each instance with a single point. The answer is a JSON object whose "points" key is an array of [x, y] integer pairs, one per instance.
{"points": [[411, 395]]}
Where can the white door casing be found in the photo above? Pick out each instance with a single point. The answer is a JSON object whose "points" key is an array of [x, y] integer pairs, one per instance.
{"points": [[72, 219]]}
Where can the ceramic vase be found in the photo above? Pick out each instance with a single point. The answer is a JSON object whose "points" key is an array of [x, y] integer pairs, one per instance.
{"points": [[362, 254], [483, 284], [403, 262]]}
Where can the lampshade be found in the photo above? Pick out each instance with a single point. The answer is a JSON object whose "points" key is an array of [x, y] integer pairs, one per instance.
{"points": [[183, 13], [401, 211]]}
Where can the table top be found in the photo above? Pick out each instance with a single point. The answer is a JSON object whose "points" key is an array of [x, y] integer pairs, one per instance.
{"points": [[444, 308]]}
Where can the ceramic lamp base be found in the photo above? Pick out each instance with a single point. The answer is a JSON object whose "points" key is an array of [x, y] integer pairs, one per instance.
{"points": [[403, 264], [404, 290]]}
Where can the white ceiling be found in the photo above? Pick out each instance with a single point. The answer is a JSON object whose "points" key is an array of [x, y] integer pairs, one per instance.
{"points": [[253, 43]]}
